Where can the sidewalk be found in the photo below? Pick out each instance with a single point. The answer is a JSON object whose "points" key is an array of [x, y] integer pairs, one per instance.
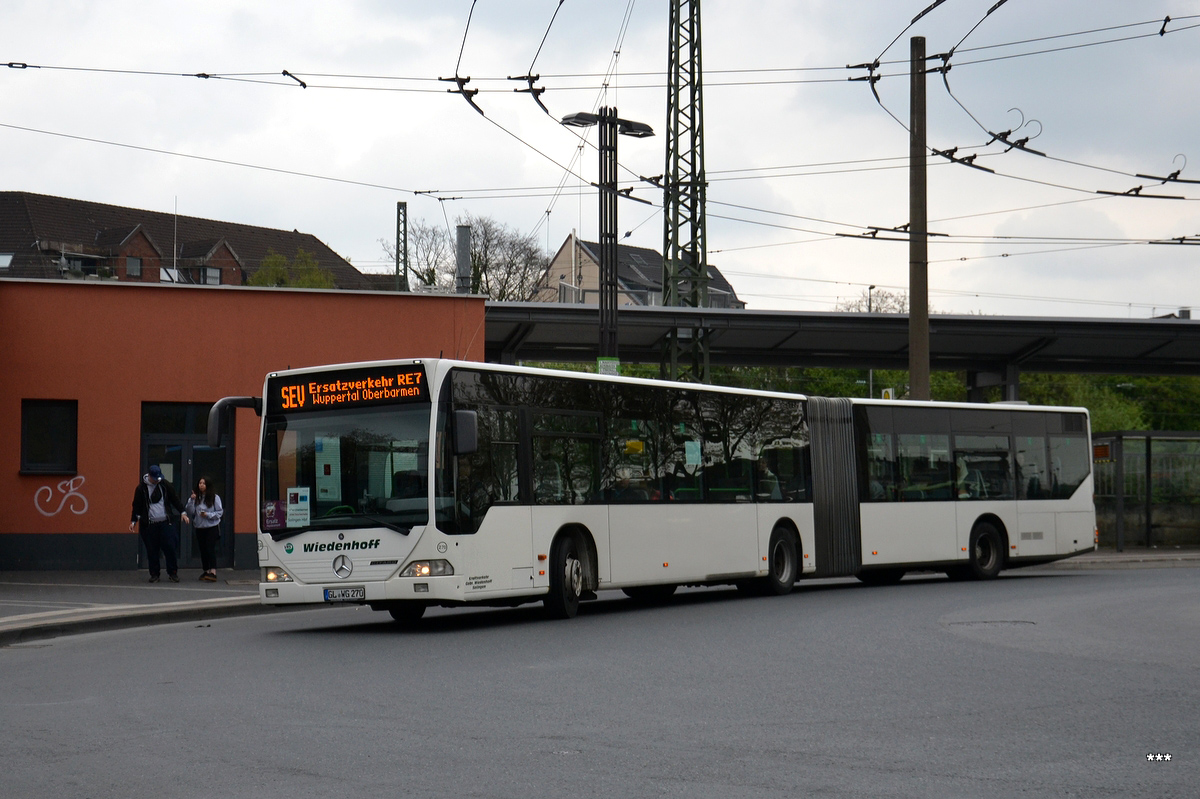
{"points": [[47, 604], [1131, 558]]}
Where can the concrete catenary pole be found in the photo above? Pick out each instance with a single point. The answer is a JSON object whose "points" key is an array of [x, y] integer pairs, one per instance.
{"points": [[918, 232]]}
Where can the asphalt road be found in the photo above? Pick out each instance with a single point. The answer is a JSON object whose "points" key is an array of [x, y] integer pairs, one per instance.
{"points": [[1042, 683]]}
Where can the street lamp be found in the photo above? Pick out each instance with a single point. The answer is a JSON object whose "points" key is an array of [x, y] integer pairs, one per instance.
{"points": [[610, 125]]}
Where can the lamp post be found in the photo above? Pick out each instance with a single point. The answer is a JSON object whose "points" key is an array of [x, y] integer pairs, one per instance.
{"points": [[610, 126], [870, 372]]}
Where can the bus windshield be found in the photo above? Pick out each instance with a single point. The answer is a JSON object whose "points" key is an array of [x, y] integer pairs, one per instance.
{"points": [[338, 469]]}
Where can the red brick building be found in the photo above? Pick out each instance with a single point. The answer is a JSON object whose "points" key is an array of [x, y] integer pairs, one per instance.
{"points": [[103, 377]]}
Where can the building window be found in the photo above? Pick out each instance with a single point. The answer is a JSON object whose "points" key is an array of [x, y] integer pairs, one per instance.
{"points": [[212, 276], [6, 260], [49, 436], [79, 264], [133, 267]]}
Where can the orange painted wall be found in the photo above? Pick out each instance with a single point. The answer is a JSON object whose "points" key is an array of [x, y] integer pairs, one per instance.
{"points": [[112, 346]]}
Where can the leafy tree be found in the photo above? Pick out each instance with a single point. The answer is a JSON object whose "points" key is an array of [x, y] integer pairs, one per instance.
{"points": [[1167, 402], [1109, 410], [303, 271]]}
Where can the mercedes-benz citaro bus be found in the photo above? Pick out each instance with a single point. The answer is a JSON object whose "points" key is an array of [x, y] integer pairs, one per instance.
{"points": [[407, 484]]}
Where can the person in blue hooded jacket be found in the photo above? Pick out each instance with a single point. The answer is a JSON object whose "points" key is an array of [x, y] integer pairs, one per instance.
{"points": [[151, 500]]}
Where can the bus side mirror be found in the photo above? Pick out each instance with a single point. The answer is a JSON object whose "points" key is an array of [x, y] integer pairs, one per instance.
{"points": [[217, 411], [466, 432]]}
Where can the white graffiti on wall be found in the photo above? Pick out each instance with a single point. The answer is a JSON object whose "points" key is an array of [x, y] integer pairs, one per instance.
{"points": [[70, 493]]}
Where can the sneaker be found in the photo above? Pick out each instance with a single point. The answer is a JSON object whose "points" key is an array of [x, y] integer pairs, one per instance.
{"points": [[174, 577], [208, 578], [203, 575], [154, 578]]}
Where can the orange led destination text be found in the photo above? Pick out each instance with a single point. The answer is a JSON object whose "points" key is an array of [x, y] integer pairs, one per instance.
{"points": [[337, 392]]}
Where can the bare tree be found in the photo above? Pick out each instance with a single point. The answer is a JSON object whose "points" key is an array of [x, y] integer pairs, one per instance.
{"points": [[505, 264], [431, 255], [881, 301]]}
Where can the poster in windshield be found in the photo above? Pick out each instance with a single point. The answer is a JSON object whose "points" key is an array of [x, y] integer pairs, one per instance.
{"points": [[352, 388]]}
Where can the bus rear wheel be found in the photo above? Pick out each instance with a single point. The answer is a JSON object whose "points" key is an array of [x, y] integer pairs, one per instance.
{"points": [[782, 564], [566, 577], [986, 550]]}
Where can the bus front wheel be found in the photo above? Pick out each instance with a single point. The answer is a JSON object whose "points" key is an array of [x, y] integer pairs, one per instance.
{"points": [[566, 577], [407, 612]]}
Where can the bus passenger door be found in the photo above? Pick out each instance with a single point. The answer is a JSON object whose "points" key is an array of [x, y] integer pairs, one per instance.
{"points": [[565, 488]]}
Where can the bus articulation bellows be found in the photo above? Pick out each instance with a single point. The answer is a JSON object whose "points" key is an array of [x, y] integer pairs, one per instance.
{"points": [[407, 484]]}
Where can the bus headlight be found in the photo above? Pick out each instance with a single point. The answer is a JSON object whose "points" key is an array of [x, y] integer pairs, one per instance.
{"points": [[274, 574], [428, 568]]}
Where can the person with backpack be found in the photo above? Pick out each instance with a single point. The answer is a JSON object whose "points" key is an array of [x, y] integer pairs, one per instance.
{"points": [[151, 500]]}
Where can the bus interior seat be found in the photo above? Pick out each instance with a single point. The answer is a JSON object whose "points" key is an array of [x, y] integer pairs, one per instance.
{"points": [[405, 485]]}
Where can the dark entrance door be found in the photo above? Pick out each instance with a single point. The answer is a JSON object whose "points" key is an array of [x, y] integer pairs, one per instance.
{"points": [[173, 437]]}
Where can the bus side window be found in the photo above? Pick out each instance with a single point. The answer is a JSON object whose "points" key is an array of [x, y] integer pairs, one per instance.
{"points": [[983, 467], [634, 454], [1070, 461], [881, 464], [923, 463], [1069, 465], [1029, 444], [877, 474]]}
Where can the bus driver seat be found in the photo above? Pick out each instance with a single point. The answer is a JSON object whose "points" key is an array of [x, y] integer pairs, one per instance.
{"points": [[406, 485]]}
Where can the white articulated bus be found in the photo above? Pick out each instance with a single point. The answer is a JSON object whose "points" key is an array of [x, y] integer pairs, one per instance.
{"points": [[406, 484]]}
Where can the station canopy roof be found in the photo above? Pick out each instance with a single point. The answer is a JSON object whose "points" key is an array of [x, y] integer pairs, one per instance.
{"points": [[559, 332]]}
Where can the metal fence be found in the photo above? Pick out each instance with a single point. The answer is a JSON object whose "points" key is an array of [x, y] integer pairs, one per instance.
{"points": [[1174, 470], [1168, 489]]}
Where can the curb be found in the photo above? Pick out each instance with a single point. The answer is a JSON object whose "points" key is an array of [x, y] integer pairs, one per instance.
{"points": [[38, 626], [1159, 562]]}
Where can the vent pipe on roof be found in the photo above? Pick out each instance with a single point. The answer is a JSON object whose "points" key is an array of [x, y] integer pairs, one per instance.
{"points": [[462, 261]]}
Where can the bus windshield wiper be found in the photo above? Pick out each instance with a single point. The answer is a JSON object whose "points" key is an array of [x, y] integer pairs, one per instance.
{"points": [[279, 535], [382, 523]]}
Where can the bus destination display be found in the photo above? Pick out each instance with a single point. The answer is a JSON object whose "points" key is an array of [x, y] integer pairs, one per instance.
{"points": [[354, 388]]}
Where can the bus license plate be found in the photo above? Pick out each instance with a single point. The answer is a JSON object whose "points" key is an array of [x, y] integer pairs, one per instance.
{"points": [[349, 594]]}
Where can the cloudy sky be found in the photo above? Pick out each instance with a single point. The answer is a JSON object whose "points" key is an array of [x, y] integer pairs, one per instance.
{"points": [[796, 153]]}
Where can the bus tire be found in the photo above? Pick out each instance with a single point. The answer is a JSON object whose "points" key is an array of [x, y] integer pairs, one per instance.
{"points": [[649, 594], [407, 613], [566, 577], [986, 552], [782, 563], [880, 576]]}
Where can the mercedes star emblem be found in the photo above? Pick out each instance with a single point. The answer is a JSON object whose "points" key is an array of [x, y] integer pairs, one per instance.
{"points": [[342, 566]]}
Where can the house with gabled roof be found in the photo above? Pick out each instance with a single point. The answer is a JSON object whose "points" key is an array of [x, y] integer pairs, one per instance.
{"points": [[573, 276], [56, 237]]}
